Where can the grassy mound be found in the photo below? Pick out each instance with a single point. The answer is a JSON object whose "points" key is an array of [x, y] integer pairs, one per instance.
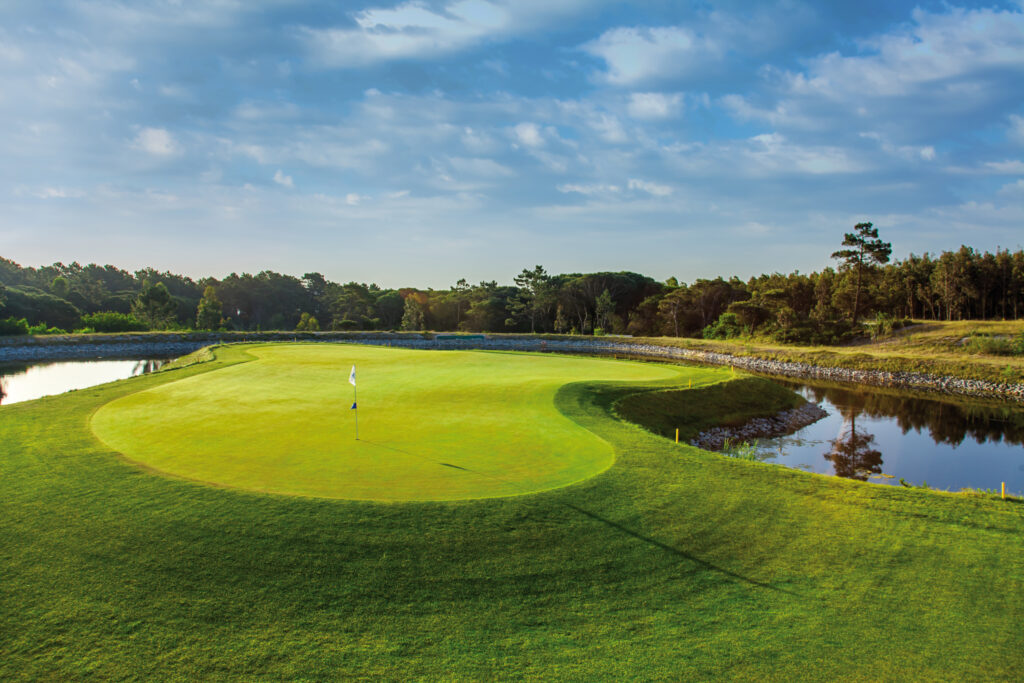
{"points": [[729, 404], [674, 564], [433, 425]]}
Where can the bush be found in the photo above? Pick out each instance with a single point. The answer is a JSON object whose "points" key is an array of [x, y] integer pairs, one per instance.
{"points": [[43, 328], [345, 324], [111, 321], [996, 346], [726, 327], [38, 307], [10, 327]]}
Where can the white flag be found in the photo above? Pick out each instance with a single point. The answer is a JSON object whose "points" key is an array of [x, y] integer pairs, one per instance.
{"points": [[352, 376]]}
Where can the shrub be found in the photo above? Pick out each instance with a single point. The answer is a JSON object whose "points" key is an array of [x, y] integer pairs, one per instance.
{"points": [[37, 307], [10, 327], [110, 321], [996, 346], [43, 328], [726, 327]]}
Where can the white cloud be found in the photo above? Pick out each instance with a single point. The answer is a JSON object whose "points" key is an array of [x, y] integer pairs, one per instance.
{"points": [[156, 141], [906, 152], [353, 199], [1016, 132], [1009, 167], [284, 180], [264, 111], [588, 190], [635, 55], [416, 29], [653, 105], [53, 193], [608, 128], [481, 168], [528, 134], [1014, 189], [650, 187], [774, 152]]}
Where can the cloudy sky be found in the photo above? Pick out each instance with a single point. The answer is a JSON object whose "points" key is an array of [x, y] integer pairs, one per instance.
{"points": [[420, 142]]}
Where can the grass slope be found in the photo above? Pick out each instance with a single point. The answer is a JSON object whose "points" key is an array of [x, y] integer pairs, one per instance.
{"points": [[937, 348], [693, 410], [434, 425], [672, 565]]}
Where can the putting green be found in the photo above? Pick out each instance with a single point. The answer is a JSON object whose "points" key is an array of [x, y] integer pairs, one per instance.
{"points": [[433, 425]]}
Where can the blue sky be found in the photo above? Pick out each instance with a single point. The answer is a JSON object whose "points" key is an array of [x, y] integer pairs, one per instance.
{"points": [[415, 143]]}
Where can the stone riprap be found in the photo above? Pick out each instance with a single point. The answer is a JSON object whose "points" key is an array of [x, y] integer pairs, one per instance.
{"points": [[781, 424], [93, 346]]}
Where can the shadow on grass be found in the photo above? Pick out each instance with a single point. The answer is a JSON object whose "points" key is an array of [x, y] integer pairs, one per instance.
{"points": [[708, 566], [676, 551]]}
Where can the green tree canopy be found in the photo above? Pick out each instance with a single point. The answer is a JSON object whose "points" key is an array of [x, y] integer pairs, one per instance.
{"points": [[210, 311], [865, 251], [155, 306]]}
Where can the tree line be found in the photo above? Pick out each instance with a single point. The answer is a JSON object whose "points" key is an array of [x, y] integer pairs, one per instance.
{"points": [[820, 307]]}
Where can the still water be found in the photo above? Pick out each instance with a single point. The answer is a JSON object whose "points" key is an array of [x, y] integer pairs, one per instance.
{"points": [[27, 381], [879, 436]]}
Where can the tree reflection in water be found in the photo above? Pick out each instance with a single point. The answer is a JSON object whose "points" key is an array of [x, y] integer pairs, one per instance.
{"points": [[852, 455], [946, 421]]}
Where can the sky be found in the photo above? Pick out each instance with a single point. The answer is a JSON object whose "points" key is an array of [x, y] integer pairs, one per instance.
{"points": [[419, 142]]}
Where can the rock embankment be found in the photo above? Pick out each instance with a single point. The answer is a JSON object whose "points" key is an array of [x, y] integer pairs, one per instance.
{"points": [[15, 349], [786, 422]]}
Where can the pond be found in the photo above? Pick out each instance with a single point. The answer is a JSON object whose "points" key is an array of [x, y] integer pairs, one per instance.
{"points": [[27, 381], [882, 436]]}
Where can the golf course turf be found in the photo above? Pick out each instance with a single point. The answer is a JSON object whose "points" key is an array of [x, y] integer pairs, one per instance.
{"points": [[434, 425], [671, 564]]}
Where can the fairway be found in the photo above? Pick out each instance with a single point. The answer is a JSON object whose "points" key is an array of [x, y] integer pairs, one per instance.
{"points": [[433, 425]]}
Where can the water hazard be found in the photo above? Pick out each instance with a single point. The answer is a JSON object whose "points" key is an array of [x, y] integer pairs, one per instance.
{"points": [[27, 381], [879, 436]]}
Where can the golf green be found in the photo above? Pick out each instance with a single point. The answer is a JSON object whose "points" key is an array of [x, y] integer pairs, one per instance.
{"points": [[433, 425]]}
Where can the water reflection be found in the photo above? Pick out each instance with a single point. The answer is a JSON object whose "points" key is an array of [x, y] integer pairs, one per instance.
{"points": [[852, 454], [946, 421], [27, 381], [884, 436]]}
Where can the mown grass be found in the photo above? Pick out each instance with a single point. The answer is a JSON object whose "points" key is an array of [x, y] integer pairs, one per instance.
{"points": [[282, 423], [691, 411], [674, 564]]}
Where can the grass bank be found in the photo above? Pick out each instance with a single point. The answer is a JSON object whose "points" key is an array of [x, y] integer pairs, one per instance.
{"points": [[674, 564], [729, 404], [936, 348]]}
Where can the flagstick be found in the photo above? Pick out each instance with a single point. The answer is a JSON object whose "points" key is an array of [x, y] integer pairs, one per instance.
{"points": [[355, 402]]}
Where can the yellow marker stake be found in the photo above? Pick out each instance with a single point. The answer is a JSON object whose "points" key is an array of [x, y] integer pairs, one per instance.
{"points": [[691, 384], [677, 434], [1004, 487]]}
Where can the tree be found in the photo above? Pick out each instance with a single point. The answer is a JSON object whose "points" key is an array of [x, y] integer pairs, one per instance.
{"points": [[209, 314], [60, 287], [866, 251], [307, 323], [412, 316], [537, 296], [604, 309], [154, 306]]}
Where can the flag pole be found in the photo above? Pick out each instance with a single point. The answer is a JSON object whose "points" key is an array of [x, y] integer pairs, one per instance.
{"points": [[355, 398]]}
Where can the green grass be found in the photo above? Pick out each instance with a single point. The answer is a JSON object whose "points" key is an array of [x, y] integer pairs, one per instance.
{"points": [[434, 425], [674, 564], [691, 411], [936, 348]]}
